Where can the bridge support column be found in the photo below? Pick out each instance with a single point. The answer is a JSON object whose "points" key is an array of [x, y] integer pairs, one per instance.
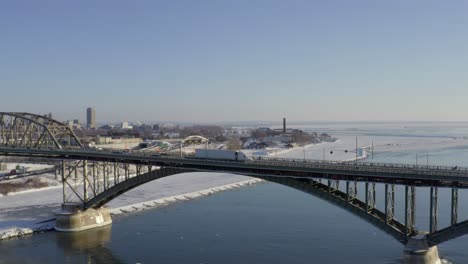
{"points": [[410, 197], [419, 251], [454, 210], [73, 219], [433, 210]]}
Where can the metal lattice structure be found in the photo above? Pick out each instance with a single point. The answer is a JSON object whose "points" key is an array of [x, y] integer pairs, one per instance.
{"points": [[93, 184], [194, 138], [26, 130]]}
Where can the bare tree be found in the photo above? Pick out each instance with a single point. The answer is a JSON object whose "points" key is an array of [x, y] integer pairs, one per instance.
{"points": [[233, 144]]}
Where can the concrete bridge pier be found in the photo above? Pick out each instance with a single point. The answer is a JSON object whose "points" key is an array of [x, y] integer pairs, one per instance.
{"points": [[419, 251], [72, 218]]}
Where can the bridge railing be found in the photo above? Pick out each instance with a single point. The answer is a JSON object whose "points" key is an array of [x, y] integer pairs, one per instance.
{"points": [[349, 164]]}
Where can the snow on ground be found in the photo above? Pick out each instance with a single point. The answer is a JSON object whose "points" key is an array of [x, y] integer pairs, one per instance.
{"points": [[118, 146], [336, 150], [28, 184], [29, 166]]}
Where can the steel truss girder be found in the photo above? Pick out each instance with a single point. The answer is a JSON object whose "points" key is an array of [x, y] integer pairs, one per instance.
{"points": [[26, 130], [370, 196], [389, 202], [351, 191], [83, 181]]}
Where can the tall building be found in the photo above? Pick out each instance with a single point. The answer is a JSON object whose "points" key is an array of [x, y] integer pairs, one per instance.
{"points": [[91, 118], [284, 125]]}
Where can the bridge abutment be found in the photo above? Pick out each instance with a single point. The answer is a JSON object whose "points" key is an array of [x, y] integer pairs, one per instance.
{"points": [[419, 251], [73, 219]]}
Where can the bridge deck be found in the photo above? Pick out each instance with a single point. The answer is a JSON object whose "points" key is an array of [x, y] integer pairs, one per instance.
{"points": [[353, 171]]}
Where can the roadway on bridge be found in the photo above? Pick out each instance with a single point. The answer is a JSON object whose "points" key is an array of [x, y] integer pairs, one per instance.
{"points": [[371, 172]]}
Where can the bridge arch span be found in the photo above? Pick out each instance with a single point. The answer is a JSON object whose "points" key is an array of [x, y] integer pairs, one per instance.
{"points": [[312, 187]]}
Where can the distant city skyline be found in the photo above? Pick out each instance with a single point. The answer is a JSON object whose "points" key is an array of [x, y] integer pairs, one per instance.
{"points": [[226, 61]]}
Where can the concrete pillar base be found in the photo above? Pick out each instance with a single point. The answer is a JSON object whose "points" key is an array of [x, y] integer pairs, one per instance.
{"points": [[72, 219], [418, 251]]}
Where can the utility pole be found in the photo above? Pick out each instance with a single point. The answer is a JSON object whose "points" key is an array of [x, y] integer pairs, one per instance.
{"points": [[324, 154], [372, 150], [355, 161]]}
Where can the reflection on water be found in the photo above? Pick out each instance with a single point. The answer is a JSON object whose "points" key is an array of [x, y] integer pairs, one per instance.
{"points": [[91, 243], [89, 246]]}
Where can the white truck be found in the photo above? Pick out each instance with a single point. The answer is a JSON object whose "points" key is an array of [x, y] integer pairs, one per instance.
{"points": [[220, 154]]}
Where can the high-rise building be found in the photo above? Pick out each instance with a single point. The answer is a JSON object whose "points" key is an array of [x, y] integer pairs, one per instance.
{"points": [[91, 118], [284, 125]]}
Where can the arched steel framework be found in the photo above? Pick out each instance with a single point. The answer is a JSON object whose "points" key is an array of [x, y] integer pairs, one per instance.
{"points": [[194, 138], [104, 182], [27, 130], [332, 195]]}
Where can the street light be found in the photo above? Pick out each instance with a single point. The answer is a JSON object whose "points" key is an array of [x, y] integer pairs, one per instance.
{"points": [[355, 161], [427, 159]]}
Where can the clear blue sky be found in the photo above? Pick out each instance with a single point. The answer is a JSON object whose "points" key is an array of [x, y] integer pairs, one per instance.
{"points": [[236, 60]]}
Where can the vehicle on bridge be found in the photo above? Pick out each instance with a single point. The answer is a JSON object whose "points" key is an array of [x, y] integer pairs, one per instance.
{"points": [[218, 154]]}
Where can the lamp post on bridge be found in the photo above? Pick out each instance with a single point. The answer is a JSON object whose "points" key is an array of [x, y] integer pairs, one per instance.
{"points": [[346, 151], [427, 159]]}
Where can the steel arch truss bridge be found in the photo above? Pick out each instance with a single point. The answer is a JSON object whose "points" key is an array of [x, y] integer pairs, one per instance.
{"points": [[94, 183], [26, 130]]}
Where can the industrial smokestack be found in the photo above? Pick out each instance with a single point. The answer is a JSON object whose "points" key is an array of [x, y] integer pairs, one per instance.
{"points": [[284, 125]]}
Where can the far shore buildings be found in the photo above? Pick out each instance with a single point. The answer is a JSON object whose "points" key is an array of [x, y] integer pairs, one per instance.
{"points": [[74, 124]]}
